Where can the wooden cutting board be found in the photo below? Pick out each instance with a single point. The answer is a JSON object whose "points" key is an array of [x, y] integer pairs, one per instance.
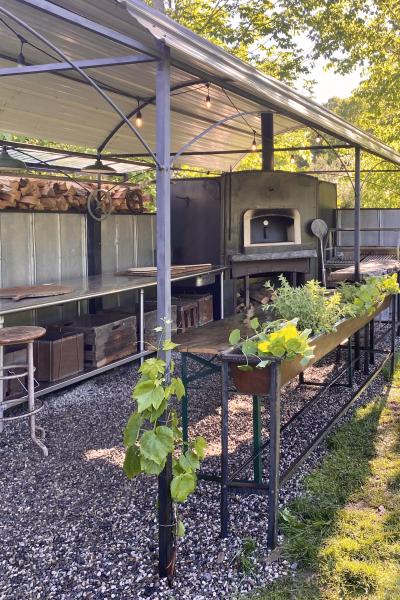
{"points": [[34, 291], [175, 270]]}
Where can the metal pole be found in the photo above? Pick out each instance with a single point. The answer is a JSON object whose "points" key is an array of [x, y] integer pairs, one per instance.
{"points": [[163, 84], [267, 140], [357, 208], [141, 324], [224, 451], [222, 308], [1, 382], [274, 454], [357, 253], [257, 442], [393, 337]]}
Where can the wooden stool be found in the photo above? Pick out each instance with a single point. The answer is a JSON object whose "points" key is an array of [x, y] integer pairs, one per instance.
{"points": [[11, 336]]}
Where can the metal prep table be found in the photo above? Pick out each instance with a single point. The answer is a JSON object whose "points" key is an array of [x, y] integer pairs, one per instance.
{"points": [[98, 286]]}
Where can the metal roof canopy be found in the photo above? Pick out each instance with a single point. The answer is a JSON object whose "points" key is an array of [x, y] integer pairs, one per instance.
{"points": [[110, 40]]}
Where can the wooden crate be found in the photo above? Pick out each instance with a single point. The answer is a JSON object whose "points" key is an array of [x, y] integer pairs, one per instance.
{"points": [[108, 336], [150, 322], [58, 355], [187, 312], [204, 305]]}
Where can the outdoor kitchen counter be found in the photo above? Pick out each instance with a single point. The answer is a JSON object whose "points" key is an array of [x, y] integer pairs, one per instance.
{"points": [[95, 286]]}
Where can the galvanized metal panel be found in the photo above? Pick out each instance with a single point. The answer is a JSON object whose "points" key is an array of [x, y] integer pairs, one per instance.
{"points": [[146, 240], [73, 245], [126, 252], [390, 218], [17, 249], [46, 234], [369, 219]]}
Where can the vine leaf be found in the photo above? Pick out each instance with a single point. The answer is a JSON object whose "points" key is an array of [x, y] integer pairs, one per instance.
{"points": [[150, 467], [199, 446], [132, 429], [255, 323], [132, 463], [153, 367], [182, 486], [180, 529], [168, 345], [155, 445], [179, 388], [234, 337], [147, 394]]}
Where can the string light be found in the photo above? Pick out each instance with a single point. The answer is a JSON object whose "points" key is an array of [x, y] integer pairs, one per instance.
{"points": [[318, 139], [254, 143], [208, 99], [139, 118], [292, 159], [21, 62]]}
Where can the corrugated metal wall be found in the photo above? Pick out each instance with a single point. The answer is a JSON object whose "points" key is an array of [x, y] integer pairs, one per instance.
{"points": [[46, 248], [370, 218]]}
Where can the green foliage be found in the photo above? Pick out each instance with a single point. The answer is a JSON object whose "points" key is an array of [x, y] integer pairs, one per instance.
{"points": [[278, 339], [313, 305], [364, 297], [149, 442], [245, 559]]}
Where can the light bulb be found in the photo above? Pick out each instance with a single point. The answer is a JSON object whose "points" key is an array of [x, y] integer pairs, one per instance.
{"points": [[292, 159], [318, 139], [139, 119], [254, 143], [208, 99]]}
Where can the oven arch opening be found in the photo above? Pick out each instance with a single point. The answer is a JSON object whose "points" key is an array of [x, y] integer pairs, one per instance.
{"points": [[268, 227]]}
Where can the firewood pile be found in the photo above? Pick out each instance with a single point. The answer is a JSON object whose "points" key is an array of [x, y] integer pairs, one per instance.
{"points": [[66, 196]]}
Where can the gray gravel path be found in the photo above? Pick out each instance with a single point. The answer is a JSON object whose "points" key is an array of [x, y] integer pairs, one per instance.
{"points": [[73, 527]]}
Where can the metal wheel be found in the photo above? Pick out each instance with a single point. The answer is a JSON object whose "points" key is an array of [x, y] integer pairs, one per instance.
{"points": [[99, 204]]}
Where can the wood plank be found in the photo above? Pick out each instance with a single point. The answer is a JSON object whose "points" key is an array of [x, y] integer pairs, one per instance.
{"points": [[212, 338], [372, 266]]}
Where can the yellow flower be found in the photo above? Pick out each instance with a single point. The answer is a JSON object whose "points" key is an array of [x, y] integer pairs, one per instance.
{"points": [[264, 347]]}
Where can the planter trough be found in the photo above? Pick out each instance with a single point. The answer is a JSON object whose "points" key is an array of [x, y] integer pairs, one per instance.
{"points": [[258, 381]]}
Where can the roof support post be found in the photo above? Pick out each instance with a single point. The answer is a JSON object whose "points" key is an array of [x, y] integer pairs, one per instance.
{"points": [[267, 141], [163, 180], [357, 208]]}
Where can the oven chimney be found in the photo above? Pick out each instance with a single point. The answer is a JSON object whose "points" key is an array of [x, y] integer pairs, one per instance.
{"points": [[267, 141]]}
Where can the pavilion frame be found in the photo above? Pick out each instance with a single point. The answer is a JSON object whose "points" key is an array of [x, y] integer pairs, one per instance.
{"points": [[163, 159]]}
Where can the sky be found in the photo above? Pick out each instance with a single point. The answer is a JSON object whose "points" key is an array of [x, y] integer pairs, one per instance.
{"points": [[331, 84]]}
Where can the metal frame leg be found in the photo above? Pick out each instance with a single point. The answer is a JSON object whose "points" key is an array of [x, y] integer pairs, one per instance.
{"points": [[366, 349], [257, 441], [393, 337], [372, 341], [274, 456], [185, 402], [350, 370], [31, 404], [247, 291], [222, 307], [224, 452]]}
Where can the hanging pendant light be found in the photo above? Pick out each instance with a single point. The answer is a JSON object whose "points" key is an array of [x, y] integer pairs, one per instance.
{"points": [[21, 62], [208, 98], [254, 143], [8, 163], [139, 118], [99, 168], [318, 139], [293, 159]]}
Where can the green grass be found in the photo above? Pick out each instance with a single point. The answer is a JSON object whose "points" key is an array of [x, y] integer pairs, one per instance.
{"points": [[344, 531]]}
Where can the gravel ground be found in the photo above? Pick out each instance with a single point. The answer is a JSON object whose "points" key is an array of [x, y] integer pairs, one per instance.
{"points": [[73, 527]]}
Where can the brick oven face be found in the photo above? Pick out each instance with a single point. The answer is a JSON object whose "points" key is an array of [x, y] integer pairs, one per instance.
{"points": [[263, 227]]}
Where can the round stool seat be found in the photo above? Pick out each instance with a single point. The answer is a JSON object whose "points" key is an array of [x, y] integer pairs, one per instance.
{"points": [[20, 335]]}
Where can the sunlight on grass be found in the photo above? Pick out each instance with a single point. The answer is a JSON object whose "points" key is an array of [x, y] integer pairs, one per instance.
{"points": [[345, 529]]}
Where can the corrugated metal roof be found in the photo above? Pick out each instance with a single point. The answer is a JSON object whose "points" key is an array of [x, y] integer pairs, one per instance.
{"points": [[62, 108]]}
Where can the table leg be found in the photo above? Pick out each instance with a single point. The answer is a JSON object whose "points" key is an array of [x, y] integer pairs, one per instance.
{"points": [[222, 309], [257, 462], [274, 455], [1, 382], [247, 291], [31, 403], [141, 323], [224, 452]]}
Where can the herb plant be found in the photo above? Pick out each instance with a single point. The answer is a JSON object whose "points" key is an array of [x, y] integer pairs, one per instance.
{"points": [[313, 306], [278, 339], [148, 442], [362, 298]]}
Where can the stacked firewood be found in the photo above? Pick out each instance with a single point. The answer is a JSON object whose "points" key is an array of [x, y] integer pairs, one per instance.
{"points": [[63, 196]]}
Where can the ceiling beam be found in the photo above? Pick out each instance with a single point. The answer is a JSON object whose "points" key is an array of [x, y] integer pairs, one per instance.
{"points": [[83, 64], [92, 26]]}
